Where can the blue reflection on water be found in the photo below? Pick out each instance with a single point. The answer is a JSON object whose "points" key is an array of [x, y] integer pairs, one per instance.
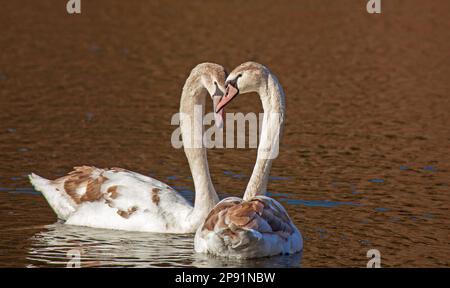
{"points": [[180, 187], [278, 194], [27, 190], [234, 175], [381, 209], [187, 194], [430, 168], [318, 203], [239, 176], [278, 178]]}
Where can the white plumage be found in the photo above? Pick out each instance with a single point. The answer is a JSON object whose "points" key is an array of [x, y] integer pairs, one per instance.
{"points": [[255, 226], [119, 199]]}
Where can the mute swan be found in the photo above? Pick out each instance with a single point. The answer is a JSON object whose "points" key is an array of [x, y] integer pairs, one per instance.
{"points": [[119, 199], [256, 226]]}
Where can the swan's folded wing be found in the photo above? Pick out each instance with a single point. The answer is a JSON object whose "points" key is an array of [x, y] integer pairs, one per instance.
{"points": [[238, 223], [124, 191], [83, 184]]}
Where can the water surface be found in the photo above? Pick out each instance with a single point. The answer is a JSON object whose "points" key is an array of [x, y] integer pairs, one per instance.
{"points": [[364, 161]]}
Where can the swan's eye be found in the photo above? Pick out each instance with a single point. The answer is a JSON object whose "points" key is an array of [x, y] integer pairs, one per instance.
{"points": [[218, 92], [234, 81]]}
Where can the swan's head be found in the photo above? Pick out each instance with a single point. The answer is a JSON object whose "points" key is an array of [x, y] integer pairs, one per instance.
{"points": [[212, 78], [247, 77]]}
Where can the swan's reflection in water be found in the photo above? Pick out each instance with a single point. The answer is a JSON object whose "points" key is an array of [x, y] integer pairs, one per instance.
{"points": [[111, 248]]}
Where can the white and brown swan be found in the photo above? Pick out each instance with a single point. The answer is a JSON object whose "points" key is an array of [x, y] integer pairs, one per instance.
{"points": [[255, 226], [119, 199]]}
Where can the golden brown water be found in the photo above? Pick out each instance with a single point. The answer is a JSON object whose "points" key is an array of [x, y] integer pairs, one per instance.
{"points": [[364, 161]]}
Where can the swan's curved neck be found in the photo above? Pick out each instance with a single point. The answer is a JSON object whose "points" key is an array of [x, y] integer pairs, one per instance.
{"points": [[272, 98], [191, 124]]}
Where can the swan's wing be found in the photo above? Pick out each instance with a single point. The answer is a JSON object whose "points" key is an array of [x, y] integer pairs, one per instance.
{"points": [[122, 191], [248, 227], [261, 214]]}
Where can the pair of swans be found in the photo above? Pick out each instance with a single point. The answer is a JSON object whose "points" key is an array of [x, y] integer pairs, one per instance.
{"points": [[255, 226]]}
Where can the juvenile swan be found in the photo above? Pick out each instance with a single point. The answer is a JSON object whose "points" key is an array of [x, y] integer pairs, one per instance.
{"points": [[119, 199], [256, 226]]}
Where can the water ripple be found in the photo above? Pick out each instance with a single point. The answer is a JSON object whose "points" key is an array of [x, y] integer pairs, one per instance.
{"points": [[110, 248]]}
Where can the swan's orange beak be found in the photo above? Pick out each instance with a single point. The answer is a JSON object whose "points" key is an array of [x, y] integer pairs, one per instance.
{"points": [[229, 95]]}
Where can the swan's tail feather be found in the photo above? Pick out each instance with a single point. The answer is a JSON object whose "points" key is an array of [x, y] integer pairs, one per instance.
{"points": [[62, 206]]}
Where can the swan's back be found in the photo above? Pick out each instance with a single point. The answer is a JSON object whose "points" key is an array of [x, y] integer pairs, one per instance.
{"points": [[247, 229], [114, 198]]}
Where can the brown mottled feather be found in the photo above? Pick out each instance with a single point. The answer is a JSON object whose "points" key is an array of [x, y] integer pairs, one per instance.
{"points": [[155, 196], [93, 189], [112, 191], [258, 214], [123, 214], [77, 178], [213, 216], [70, 186], [241, 214], [82, 177], [92, 179], [128, 213]]}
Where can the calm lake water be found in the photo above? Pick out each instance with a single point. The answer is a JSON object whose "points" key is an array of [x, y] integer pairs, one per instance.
{"points": [[364, 162]]}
